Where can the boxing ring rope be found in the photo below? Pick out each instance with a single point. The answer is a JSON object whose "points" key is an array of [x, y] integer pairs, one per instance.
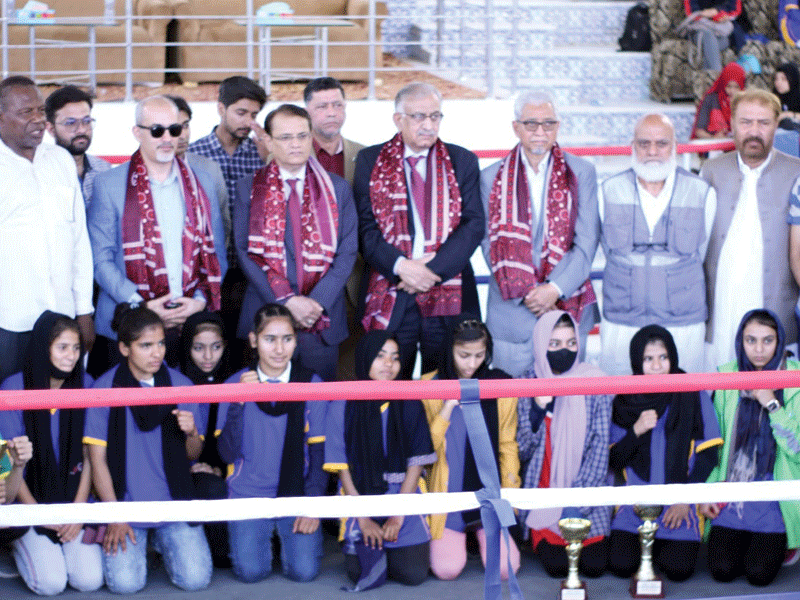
{"points": [[432, 503]]}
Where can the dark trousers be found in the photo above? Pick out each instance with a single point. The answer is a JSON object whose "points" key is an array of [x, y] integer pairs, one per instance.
{"points": [[675, 558], [13, 346], [592, 562], [211, 487], [408, 565], [429, 333], [733, 552]]}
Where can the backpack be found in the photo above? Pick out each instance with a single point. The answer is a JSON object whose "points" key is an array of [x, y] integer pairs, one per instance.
{"points": [[636, 35]]}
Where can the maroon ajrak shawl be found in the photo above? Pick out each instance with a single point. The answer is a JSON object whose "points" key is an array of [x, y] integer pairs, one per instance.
{"points": [[266, 242], [389, 196], [511, 235], [141, 238]]}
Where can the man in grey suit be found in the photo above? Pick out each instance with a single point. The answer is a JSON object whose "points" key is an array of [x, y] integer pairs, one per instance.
{"points": [[747, 264], [304, 268], [158, 194], [542, 233]]}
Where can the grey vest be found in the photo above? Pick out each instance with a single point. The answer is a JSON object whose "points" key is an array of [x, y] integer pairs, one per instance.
{"points": [[658, 280]]}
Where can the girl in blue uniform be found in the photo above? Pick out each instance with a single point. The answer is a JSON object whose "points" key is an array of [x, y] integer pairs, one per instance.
{"points": [[380, 447], [276, 449], [671, 437]]}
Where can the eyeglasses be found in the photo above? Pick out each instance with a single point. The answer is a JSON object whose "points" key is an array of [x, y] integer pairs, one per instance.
{"points": [[158, 130], [73, 124], [288, 137], [645, 145], [532, 125], [419, 118]]}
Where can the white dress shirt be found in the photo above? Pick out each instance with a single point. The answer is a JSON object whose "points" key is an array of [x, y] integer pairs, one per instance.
{"points": [[47, 258]]}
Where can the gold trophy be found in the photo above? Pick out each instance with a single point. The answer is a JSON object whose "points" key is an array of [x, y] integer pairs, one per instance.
{"points": [[5, 461], [645, 583], [574, 531]]}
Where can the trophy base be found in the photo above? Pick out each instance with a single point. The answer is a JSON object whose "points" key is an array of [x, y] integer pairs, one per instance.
{"points": [[652, 588], [572, 593]]}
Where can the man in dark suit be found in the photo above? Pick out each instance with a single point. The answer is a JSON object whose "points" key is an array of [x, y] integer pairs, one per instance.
{"points": [[420, 220], [293, 208]]}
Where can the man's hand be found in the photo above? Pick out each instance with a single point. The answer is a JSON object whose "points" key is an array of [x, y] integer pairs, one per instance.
{"points": [[86, 326], [168, 315], [371, 532], [646, 421], [305, 525], [20, 449], [415, 276], [115, 537], [185, 309], [541, 299], [306, 311], [186, 422]]}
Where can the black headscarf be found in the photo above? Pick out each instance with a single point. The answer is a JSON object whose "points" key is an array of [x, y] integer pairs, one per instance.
{"points": [[52, 481], [684, 420], [790, 100], [753, 429], [469, 328], [147, 418], [220, 374], [407, 428]]}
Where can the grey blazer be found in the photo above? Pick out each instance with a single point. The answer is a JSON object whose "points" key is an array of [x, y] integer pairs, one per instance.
{"points": [[329, 291], [105, 232], [773, 191], [510, 320]]}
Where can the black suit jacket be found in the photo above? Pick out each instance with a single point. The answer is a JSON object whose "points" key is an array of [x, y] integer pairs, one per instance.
{"points": [[329, 291], [453, 256]]}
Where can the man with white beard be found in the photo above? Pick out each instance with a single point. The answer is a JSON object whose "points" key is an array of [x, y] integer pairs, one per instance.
{"points": [[656, 223]]}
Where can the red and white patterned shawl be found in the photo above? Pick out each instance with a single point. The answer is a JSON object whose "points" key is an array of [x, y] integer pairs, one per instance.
{"points": [[388, 193], [511, 235], [142, 245], [266, 242]]}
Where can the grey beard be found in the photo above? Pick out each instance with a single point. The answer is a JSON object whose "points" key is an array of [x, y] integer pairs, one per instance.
{"points": [[653, 172]]}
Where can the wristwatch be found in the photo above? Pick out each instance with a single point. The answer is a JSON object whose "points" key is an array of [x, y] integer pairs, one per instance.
{"points": [[772, 405]]}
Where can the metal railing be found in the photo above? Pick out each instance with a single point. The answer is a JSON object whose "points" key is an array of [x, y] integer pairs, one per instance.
{"points": [[475, 51]]}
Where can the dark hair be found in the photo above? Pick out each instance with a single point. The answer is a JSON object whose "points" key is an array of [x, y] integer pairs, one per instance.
{"points": [[129, 322], [268, 312], [233, 89], [762, 317], [63, 323], [321, 84], [69, 94], [467, 328], [181, 103], [13, 82], [287, 110], [564, 321]]}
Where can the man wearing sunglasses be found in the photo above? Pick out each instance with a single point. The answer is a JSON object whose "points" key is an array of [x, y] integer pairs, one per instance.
{"points": [[656, 223], [69, 121], [542, 233], [156, 230], [420, 220]]}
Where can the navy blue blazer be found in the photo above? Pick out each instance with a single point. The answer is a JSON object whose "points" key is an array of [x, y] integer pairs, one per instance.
{"points": [[104, 222], [454, 254], [330, 289]]}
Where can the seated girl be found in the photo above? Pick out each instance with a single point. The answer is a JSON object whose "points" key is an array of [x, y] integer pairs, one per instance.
{"points": [[671, 437], [563, 443], [204, 358], [51, 556], [276, 449], [761, 433], [713, 118], [380, 447], [467, 354], [143, 453]]}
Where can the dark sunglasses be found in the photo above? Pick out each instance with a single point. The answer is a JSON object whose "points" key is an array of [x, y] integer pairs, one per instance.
{"points": [[158, 130]]}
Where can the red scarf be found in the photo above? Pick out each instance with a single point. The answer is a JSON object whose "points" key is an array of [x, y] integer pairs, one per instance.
{"points": [[141, 238], [389, 196], [511, 235], [266, 241], [721, 118]]}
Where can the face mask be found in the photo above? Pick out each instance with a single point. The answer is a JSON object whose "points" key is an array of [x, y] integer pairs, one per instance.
{"points": [[562, 360]]}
